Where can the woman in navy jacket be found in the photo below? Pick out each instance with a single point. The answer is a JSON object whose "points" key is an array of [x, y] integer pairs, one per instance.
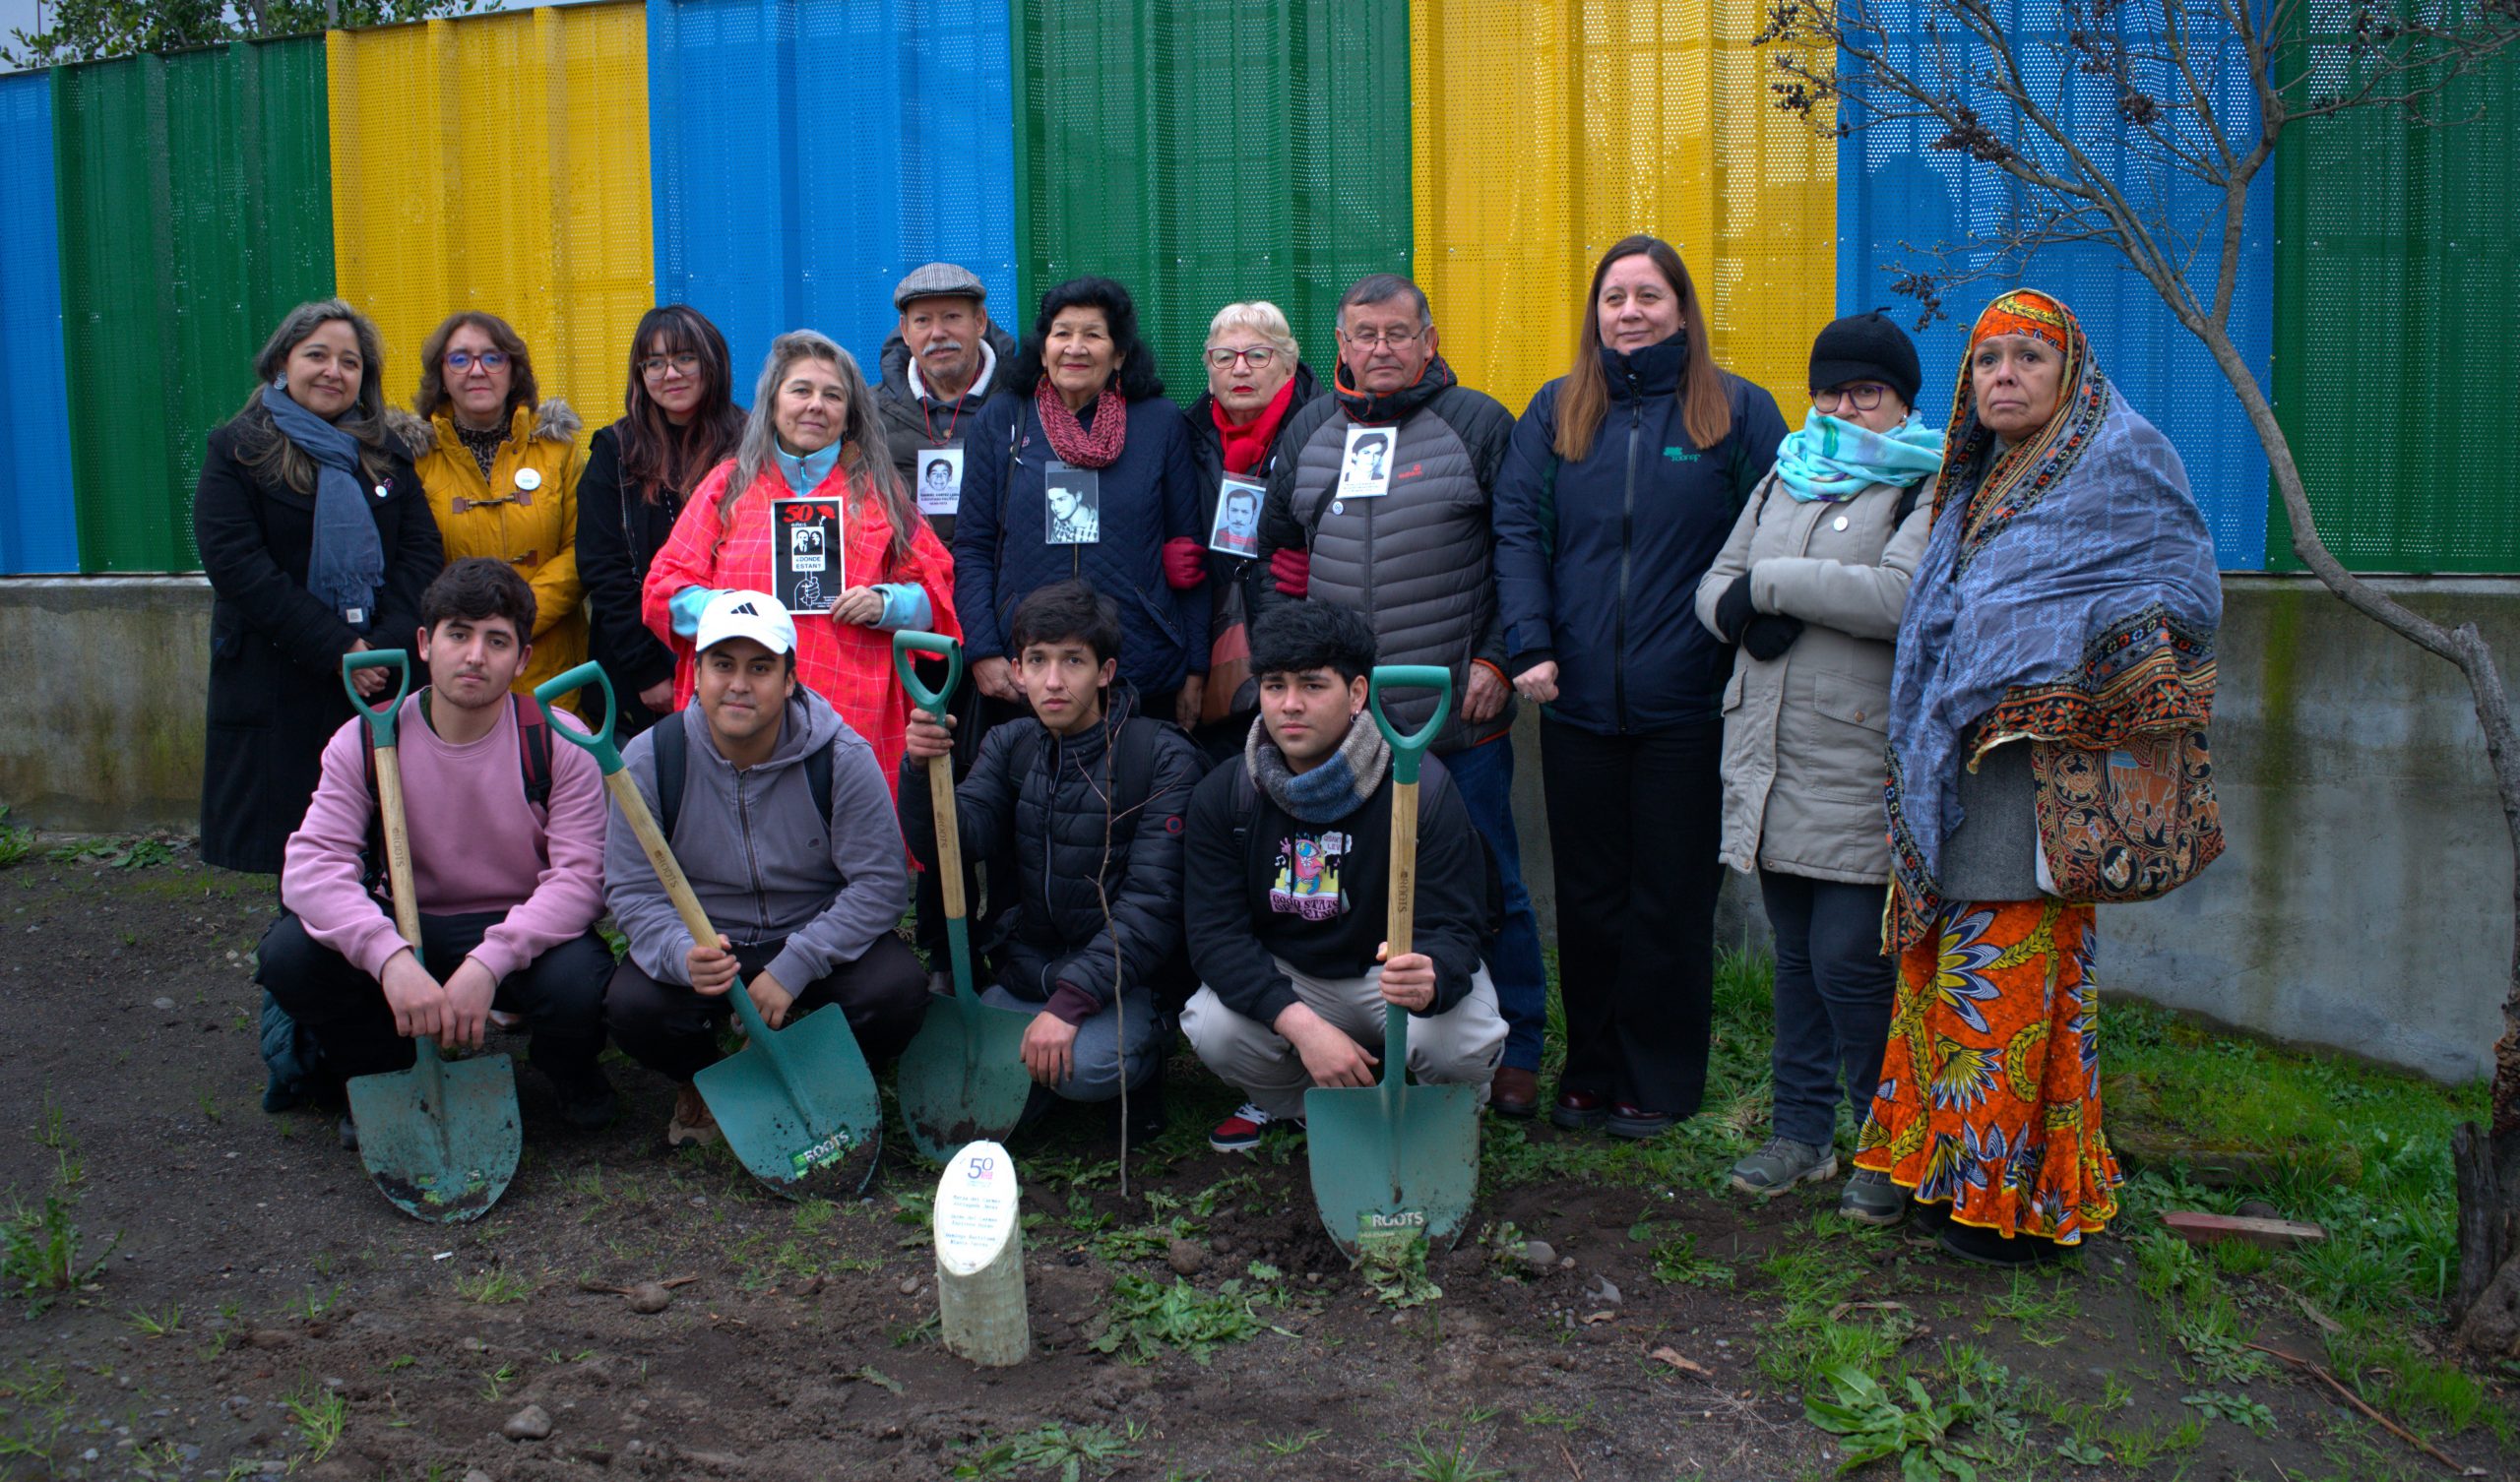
{"points": [[1086, 472], [1622, 480]]}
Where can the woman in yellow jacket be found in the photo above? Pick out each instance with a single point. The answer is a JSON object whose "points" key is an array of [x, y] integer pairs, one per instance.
{"points": [[501, 468]]}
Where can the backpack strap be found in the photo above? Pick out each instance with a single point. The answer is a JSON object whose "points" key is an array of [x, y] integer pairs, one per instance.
{"points": [[818, 783], [534, 752], [673, 758]]}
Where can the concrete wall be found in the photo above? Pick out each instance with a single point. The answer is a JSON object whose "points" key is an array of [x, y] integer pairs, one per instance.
{"points": [[2364, 902]]}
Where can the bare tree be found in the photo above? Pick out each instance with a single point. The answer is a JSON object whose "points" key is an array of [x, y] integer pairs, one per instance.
{"points": [[2098, 125], [89, 30]]}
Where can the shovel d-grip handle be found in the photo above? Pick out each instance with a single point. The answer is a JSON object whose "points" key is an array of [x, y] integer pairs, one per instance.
{"points": [[608, 756], [1407, 750], [380, 719], [906, 644]]}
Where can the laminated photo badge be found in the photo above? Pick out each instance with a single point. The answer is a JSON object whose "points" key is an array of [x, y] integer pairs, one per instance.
{"points": [[1364, 472], [1236, 528], [1071, 505], [939, 479], [805, 553]]}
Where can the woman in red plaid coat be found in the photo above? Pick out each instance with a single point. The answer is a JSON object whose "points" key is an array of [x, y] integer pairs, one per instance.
{"points": [[814, 431]]}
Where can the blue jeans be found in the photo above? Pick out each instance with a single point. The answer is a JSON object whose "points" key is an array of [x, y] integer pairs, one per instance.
{"points": [[1096, 1074], [1833, 992], [1484, 778]]}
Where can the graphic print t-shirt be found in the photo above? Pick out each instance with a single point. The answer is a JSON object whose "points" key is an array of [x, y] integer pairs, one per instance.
{"points": [[1307, 883]]}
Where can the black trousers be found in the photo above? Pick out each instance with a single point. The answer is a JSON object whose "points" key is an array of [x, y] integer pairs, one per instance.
{"points": [[560, 994], [673, 1030], [1833, 992], [1634, 823]]}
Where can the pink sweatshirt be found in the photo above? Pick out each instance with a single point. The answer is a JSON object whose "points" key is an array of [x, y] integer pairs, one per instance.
{"points": [[476, 844]]}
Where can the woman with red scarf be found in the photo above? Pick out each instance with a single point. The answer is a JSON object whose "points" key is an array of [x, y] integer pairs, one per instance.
{"points": [[1255, 377], [1085, 473]]}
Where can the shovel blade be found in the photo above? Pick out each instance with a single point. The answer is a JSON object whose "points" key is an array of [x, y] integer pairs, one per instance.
{"points": [[441, 1139], [1393, 1159], [963, 1079], [820, 1141]]}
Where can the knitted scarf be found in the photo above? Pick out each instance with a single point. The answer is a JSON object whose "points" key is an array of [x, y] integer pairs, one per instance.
{"points": [[1830, 459], [347, 563], [1331, 791], [1246, 443], [1096, 447]]}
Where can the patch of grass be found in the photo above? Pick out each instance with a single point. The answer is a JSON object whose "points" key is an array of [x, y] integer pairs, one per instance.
{"points": [[313, 1305], [1817, 1268], [158, 1325], [318, 1416], [1394, 1268], [2239, 1409], [495, 1382], [1677, 1263], [1148, 1316], [16, 841], [1291, 1444], [2038, 1308], [115, 854], [494, 1288], [1921, 1432], [1069, 1452], [40, 1255], [1423, 1461]]}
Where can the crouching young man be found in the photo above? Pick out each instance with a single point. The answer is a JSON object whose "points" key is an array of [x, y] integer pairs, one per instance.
{"points": [[1086, 798], [506, 833], [1289, 888], [778, 813]]}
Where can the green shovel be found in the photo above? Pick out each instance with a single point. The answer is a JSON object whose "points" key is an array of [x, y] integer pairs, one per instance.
{"points": [[441, 1138], [1395, 1161], [963, 1077], [797, 1104]]}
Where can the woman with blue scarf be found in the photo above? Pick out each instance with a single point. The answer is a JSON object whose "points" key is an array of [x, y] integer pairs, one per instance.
{"points": [[317, 541], [1811, 585], [2046, 751]]}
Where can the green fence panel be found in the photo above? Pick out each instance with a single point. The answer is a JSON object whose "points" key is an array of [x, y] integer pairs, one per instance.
{"points": [[2395, 368], [196, 210], [1205, 154]]}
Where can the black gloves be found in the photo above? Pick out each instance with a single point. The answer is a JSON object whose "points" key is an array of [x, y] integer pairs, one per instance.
{"points": [[1733, 611], [1769, 634]]}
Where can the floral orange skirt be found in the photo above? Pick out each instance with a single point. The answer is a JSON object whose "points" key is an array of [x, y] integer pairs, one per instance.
{"points": [[1989, 1095]]}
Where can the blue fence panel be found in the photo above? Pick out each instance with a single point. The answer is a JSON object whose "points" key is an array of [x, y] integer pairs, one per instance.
{"points": [[806, 156], [1902, 201], [38, 526]]}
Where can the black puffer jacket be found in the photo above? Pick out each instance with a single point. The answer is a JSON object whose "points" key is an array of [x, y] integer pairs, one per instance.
{"points": [[618, 534], [1044, 795], [1416, 561]]}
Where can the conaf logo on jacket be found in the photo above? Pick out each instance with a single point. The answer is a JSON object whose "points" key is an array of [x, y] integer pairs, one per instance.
{"points": [[1680, 455]]}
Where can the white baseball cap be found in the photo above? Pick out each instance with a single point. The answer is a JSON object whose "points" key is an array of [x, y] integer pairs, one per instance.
{"points": [[755, 615]]}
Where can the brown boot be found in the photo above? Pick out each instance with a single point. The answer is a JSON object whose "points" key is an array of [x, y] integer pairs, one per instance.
{"points": [[692, 1122], [1515, 1092]]}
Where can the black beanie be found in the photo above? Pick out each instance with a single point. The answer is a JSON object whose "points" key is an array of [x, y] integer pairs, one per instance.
{"points": [[1866, 347]]}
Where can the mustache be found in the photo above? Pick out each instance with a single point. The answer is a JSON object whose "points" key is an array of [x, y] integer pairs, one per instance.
{"points": [[946, 346]]}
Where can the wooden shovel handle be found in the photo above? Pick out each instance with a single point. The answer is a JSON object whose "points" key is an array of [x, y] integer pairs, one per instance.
{"points": [[1404, 867], [652, 840], [398, 846], [949, 834]]}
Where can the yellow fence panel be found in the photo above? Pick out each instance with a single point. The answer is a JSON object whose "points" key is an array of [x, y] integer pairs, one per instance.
{"points": [[1542, 131], [499, 162]]}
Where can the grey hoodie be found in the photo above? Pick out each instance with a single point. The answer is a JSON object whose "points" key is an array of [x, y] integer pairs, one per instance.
{"points": [[762, 864]]}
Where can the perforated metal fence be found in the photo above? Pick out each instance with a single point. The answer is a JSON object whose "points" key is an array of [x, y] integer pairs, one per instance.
{"points": [[1904, 205], [499, 162], [1206, 155], [2397, 366], [807, 156], [1548, 131], [196, 210], [38, 526]]}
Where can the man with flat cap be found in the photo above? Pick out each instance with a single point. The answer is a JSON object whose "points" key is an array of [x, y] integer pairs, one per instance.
{"points": [[939, 367]]}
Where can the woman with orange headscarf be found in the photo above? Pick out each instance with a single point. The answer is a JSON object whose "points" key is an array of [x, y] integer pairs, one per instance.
{"points": [[2053, 678]]}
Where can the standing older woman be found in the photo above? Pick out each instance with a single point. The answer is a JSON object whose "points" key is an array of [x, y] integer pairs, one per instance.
{"points": [[679, 421], [1088, 409], [1618, 492], [1811, 585], [813, 430], [1255, 377], [2053, 678], [317, 541], [501, 468]]}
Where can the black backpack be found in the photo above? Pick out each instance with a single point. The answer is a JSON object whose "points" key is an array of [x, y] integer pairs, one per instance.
{"points": [[1492, 918], [674, 760]]}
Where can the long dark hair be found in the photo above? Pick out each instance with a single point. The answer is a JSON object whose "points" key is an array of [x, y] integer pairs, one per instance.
{"points": [[1136, 380], [273, 458], [655, 454], [1705, 411]]}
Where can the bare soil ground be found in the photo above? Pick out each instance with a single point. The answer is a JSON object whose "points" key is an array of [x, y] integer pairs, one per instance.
{"points": [[264, 1310]]}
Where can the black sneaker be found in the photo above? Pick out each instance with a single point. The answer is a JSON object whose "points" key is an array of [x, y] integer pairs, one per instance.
{"points": [[587, 1102], [1981, 1247]]}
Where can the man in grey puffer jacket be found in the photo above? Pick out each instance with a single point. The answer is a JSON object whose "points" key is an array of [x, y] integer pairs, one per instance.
{"points": [[1406, 540], [805, 902]]}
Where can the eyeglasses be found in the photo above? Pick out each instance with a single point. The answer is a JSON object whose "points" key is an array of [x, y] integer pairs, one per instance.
{"points": [[685, 361], [1866, 396], [1257, 356], [1372, 337], [459, 362]]}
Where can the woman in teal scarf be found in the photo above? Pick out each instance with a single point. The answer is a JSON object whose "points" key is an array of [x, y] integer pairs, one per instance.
{"points": [[1811, 585]]}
